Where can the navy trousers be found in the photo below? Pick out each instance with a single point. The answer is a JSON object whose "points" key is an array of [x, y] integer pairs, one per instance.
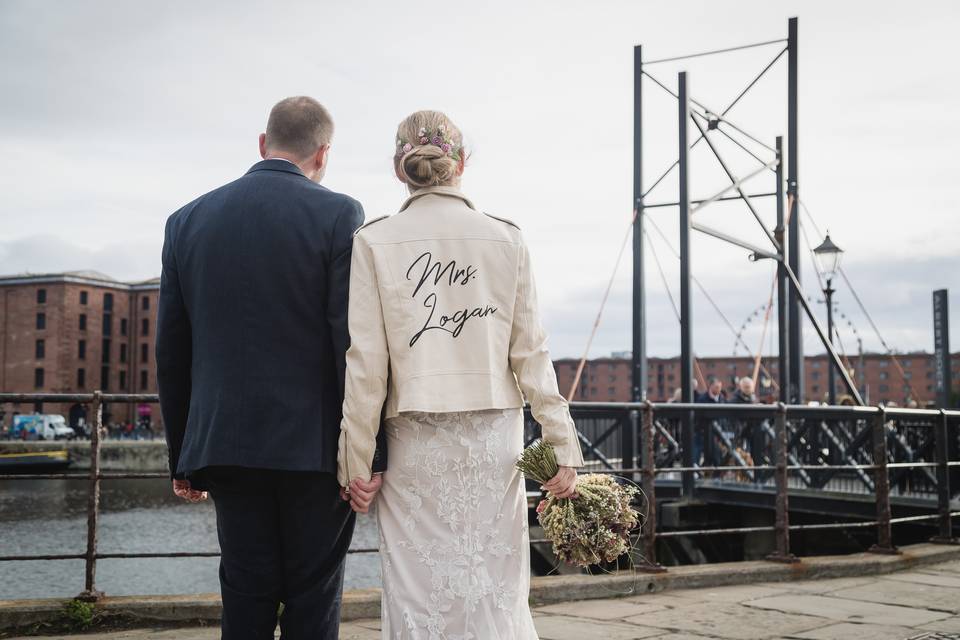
{"points": [[284, 537]]}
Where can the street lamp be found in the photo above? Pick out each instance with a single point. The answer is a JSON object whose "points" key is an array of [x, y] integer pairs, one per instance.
{"points": [[828, 255]]}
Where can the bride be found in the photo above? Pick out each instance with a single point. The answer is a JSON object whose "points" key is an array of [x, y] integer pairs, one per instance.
{"points": [[445, 335]]}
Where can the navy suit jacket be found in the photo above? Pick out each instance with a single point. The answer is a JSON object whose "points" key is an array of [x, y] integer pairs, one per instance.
{"points": [[252, 323]]}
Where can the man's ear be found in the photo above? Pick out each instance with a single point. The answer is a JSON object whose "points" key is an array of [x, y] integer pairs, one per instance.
{"points": [[322, 156], [263, 146]]}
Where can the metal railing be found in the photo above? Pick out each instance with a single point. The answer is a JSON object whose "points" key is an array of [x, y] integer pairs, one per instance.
{"points": [[872, 451], [850, 452], [94, 477]]}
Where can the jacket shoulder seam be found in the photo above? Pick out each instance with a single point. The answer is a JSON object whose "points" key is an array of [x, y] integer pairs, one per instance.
{"points": [[367, 224], [504, 220]]}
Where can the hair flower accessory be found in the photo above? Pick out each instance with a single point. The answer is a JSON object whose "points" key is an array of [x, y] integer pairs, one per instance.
{"points": [[439, 138]]}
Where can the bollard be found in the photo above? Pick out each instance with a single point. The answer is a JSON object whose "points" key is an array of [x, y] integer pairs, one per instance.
{"points": [[882, 485], [648, 479], [941, 438], [782, 526], [90, 593]]}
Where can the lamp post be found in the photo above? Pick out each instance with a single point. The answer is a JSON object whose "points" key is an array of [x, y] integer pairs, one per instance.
{"points": [[829, 254]]}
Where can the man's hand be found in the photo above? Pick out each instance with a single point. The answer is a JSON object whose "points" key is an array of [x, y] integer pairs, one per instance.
{"points": [[361, 493], [182, 489], [564, 484]]}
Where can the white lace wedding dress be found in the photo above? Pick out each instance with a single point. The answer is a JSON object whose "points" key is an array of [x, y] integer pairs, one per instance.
{"points": [[454, 541]]}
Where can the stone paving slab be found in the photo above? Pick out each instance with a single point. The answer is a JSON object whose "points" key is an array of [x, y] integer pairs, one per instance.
{"points": [[733, 594], [601, 609], [950, 625], [842, 609], [733, 621], [852, 631], [569, 628], [935, 579], [919, 596]]}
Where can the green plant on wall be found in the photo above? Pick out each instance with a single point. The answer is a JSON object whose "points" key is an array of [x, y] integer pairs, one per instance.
{"points": [[77, 614]]}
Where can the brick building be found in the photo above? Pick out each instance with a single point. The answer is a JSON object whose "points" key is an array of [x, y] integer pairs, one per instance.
{"points": [[877, 376], [77, 332]]}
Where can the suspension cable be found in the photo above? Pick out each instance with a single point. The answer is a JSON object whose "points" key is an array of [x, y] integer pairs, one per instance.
{"points": [[603, 303]]}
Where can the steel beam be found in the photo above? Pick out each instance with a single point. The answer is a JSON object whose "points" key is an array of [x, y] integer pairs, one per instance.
{"points": [[686, 322], [798, 394], [783, 287], [639, 356], [710, 231], [734, 180]]}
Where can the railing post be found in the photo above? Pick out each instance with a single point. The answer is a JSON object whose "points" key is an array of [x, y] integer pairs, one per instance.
{"points": [[90, 592], [941, 437], [882, 484], [782, 526], [648, 483], [628, 444]]}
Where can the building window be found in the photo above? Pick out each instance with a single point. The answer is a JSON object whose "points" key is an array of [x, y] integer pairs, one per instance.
{"points": [[123, 352], [143, 380], [41, 296], [105, 351], [883, 364], [907, 375], [83, 297], [144, 352], [884, 375], [815, 375], [123, 326], [145, 303], [81, 378], [38, 378], [108, 302], [41, 321], [41, 350], [123, 381], [107, 323], [611, 390], [104, 378], [613, 378], [82, 350], [816, 389], [884, 388], [906, 363], [145, 327], [83, 322]]}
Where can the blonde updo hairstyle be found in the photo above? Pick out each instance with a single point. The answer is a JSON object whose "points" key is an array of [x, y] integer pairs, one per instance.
{"points": [[428, 165]]}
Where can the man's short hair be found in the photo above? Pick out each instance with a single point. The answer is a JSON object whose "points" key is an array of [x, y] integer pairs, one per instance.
{"points": [[299, 125]]}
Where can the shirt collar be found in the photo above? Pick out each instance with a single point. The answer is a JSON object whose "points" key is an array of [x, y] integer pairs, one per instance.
{"points": [[452, 192]]}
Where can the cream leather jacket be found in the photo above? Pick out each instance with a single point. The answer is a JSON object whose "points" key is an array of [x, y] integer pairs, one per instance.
{"points": [[443, 317]]}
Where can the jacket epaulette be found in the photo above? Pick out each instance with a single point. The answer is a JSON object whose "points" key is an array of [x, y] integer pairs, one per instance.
{"points": [[367, 224], [509, 222]]}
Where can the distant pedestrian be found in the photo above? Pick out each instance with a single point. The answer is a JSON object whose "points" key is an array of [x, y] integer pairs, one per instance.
{"points": [[702, 442]]}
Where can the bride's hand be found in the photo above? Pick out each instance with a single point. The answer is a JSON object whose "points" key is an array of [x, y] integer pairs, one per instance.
{"points": [[564, 484], [362, 493]]}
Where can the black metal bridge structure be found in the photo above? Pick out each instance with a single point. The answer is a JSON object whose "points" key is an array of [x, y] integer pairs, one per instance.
{"points": [[852, 467]]}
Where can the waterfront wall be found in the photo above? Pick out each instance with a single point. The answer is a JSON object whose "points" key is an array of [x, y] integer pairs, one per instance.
{"points": [[115, 455]]}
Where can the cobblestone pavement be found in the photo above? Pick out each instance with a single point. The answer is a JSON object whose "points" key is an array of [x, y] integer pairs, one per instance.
{"points": [[923, 603]]}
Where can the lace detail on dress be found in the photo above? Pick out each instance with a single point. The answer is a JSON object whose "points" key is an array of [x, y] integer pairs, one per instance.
{"points": [[453, 528]]}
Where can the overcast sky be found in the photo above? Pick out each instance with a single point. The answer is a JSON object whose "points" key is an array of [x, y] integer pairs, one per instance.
{"points": [[114, 114]]}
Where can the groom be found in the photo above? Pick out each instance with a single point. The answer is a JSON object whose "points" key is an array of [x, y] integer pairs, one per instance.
{"points": [[251, 339]]}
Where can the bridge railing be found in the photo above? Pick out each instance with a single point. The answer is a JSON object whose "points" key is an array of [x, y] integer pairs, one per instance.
{"points": [[876, 453], [883, 453]]}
